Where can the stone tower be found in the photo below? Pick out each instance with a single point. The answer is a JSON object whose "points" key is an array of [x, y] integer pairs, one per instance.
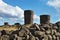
{"points": [[28, 17], [6, 23], [44, 19]]}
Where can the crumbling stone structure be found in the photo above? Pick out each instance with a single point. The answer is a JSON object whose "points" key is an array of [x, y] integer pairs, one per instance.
{"points": [[6, 23], [28, 16], [44, 19]]}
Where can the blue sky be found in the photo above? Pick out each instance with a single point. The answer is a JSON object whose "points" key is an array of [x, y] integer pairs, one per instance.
{"points": [[12, 10]]}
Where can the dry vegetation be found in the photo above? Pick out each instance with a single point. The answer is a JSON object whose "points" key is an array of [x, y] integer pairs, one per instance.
{"points": [[9, 28]]}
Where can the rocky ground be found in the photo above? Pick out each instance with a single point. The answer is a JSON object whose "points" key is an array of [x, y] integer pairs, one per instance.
{"points": [[35, 32]]}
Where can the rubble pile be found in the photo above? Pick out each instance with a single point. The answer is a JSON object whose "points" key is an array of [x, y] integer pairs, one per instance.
{"points": [[35, 32]]}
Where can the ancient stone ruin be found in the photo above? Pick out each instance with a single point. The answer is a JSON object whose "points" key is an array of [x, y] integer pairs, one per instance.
{"points": [[44, 19], [28, 16], [31, 31]]}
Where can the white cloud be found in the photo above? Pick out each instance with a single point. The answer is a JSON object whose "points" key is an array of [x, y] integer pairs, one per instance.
{"points": [[55, 4], [11, 12], [36, 19], [8, 9]]}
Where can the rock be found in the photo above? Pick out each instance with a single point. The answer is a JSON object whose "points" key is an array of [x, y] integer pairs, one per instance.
{"points": [[36, 38], [48, 32], [19, 38], [49, 37], [57, 34], [53, 32], [5, 37], [54, 37], [12, 37], [22, 33], [32, 38], [45, 37], [57, 38], [35, 26], [39, 33], [3, 32], [0, 38]]}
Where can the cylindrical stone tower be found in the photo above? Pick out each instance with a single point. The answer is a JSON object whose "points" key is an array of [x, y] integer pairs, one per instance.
{"points": [[6, 23], [28, 17], [44, 19]]}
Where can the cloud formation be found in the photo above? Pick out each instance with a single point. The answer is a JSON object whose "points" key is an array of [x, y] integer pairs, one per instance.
{"points": [[10, 10], [56, 5], [12, 13], [36, 19]]}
